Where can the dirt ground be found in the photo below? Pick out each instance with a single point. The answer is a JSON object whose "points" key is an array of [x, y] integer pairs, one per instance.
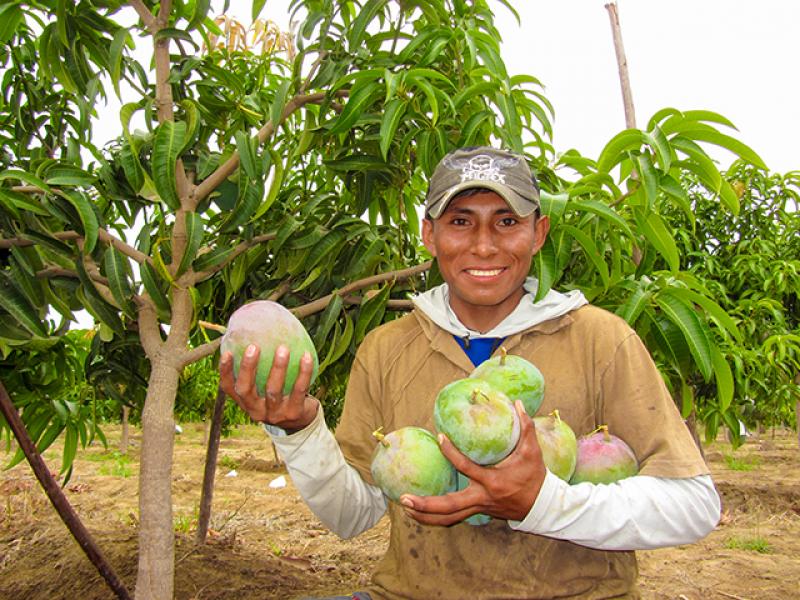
{"points": [[266, 544]]}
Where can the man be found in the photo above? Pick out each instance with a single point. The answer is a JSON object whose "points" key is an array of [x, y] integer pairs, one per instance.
{"points": [[547, 539]]}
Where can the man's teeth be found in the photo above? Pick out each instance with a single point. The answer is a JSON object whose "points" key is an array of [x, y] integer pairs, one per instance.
{"points": [[479, 273]]}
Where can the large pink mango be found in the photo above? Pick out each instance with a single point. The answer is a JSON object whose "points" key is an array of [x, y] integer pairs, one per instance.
{"points": [[603, 458], [409, 461], [267, 325]]}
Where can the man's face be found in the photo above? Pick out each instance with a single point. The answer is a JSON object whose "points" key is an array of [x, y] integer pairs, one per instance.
{"points": [[484, 251]]}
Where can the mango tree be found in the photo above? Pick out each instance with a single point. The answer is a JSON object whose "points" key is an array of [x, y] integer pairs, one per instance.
{"points": [[292, 174]]}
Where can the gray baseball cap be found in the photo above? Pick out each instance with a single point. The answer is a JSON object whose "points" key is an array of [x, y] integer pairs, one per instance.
{"points": [[500, 171]]}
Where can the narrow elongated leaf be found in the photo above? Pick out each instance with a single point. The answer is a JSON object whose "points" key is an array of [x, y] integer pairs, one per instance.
{"points": [[546, 268], [365, 16], [194, 239], [553, 205], [602, 210], [657, 233], [70, 448], [635, 304], [712, 136], [167, 143], [327, 320], [685, 318], [15, 304], [87, 216], [150, 282], [25, 177], [212, 259], [714, 310], [371, 312], [279, 103], [359, 101], [617, 148], [649, 178], [591, 250], [723, 378], [116, 271], [94, 302], [247, 155], [274, 186], [393, 112], [326, 247]]}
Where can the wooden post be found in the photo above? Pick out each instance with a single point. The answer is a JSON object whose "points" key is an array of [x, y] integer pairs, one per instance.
{"points": [[57, 497], [622, 65], [207, 493]]}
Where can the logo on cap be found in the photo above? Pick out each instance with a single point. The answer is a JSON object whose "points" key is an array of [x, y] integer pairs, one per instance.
{"points": [[481, 167]]}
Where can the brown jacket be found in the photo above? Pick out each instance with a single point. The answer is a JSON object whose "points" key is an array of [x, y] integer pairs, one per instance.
{"points": [[596, 371]]}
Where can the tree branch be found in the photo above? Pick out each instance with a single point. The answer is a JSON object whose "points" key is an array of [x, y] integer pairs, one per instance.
{"points": [[622, 66], [149, 331], [144, 14], [210, 183], [243, 246], [200, 352], [22, 242], [130, 251], [320, 304]]}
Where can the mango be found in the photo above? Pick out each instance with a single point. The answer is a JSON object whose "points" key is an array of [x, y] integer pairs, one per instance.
{"points": [[558, 444], [267, 324], [479, 420], [409, 461], [603, 458], [516, 377]]}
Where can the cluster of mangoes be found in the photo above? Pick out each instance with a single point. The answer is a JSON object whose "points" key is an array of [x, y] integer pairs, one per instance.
{"points": [[478, 416]]}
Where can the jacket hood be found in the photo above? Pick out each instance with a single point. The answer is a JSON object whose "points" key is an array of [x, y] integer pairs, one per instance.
{"points": [[435, 303]]}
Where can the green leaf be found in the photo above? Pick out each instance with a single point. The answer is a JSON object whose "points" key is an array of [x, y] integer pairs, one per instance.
{"points": [[393, 112], [591, 250], [70, 448], [359, 27], [15, 304], [258, 6], [87, 216], [617, 148], [685, 318], [26, 178], [327, 320], [10, 17], [546, 268], [602, 210], [635, 304], [553, 205], [194, 239], [248, 157], [201, 8], [175, 34], [649, 178], [116, 271], [724, 379], [121, 39], [150, 282], [167, 143], [327, 247], [712, 136], [95, 303], [274, 186], [371, 313], [714, 310], [355, 107], [340, 344], [279, 103], [212, 259], [657, 233]]}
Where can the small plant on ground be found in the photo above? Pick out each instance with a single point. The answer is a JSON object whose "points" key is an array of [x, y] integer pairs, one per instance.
{"points": [[750, 544], [743, 463], [118, 465]]}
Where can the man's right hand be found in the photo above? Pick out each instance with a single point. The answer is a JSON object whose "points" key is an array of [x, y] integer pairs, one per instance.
{"points": [[291, 412]]}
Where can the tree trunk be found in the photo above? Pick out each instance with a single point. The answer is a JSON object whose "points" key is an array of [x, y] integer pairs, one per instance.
{"points": [[155, 577], [207, 494], [123, 439], [691, 423], [58, 499], [622, 65]]}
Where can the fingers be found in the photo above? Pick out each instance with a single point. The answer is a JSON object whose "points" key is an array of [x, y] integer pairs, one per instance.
{"points": [[442, 510], [277, 377], [455, 456]]}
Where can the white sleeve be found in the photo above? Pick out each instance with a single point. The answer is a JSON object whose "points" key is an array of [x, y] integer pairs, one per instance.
{"points": [[333, 490], [637, 513]]}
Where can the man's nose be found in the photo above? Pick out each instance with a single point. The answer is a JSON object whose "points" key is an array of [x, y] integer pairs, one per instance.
{"points": [[485, 241]]}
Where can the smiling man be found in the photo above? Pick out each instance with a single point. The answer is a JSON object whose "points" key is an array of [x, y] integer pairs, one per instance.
{"points": [[546, 539]]}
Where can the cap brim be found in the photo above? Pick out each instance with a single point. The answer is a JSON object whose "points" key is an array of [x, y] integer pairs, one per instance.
{"points": [[522, 206]]}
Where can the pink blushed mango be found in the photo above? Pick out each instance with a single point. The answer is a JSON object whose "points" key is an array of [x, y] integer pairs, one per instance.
{"points": [[603, 458]]}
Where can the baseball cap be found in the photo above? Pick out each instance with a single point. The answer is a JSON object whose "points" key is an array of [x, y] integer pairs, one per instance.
{"points": [[500, 171]]}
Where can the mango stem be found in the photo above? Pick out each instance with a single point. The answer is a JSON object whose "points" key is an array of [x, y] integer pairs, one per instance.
{"points": [[378, 435]]}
